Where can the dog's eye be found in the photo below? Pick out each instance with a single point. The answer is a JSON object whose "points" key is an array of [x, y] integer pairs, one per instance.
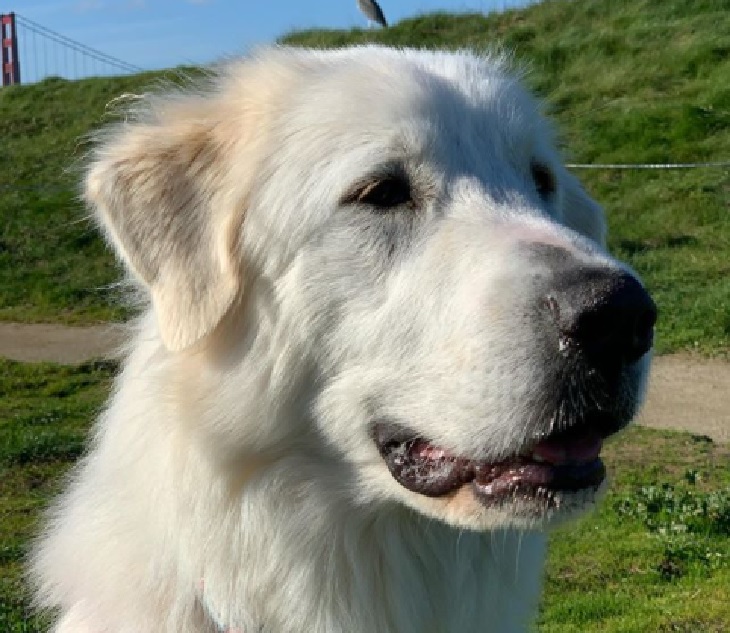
{"points": [[544, 179], [385, 193]]}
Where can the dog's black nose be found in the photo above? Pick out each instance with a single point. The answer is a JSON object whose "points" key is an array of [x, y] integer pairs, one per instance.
{"points": [[606, 314]]}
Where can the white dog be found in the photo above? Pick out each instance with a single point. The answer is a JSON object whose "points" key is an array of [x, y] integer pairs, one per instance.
{"points": [[383, 347]]}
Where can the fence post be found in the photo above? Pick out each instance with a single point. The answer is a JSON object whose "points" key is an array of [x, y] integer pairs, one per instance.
{"points": [[10, 68]]}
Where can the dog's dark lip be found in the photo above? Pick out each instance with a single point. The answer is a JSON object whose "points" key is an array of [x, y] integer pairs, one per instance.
{"points": [[559, 462]]}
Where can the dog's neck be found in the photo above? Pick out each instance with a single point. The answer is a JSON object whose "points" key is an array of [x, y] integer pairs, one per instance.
{"points": [[329, 566]]}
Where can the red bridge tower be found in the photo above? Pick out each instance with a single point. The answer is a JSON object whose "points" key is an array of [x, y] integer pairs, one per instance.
{"points": [[10, 68]]}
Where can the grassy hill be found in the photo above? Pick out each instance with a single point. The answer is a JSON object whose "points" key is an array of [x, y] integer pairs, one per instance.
{"points": [[628, 81], [52, 264]]}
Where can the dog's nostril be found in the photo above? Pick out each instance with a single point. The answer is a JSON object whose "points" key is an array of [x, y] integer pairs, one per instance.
{"points": [[609, 316]]}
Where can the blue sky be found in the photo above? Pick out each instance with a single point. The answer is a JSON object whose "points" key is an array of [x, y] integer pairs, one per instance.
{"points": [[163, 33]]}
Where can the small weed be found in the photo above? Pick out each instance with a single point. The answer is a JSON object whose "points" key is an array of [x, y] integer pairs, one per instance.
{"points": [[685, 519], [669, 509]]}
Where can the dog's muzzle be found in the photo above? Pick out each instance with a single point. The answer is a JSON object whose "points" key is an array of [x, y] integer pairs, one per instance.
{"points": [[597, 323]]}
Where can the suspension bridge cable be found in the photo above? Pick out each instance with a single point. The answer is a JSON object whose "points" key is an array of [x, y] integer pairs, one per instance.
{"points": [[78, 47], [24, 41]]}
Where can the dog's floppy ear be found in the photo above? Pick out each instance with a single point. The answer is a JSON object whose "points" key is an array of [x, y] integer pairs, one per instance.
{"points": [[160, 191], [580, 212]]}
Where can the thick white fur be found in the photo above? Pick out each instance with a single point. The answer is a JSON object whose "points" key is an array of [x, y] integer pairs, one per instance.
{"points": [[231, 483]]}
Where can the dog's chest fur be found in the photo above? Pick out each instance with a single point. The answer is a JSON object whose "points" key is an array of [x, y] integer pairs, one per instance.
{"points": [[397, 573]]}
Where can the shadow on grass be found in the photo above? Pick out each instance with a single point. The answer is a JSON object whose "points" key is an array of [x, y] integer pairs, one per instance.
{"points": [[634, 247]]}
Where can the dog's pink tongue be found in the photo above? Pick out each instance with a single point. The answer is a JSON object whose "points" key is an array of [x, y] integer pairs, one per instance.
{"points": [[562, 450]]}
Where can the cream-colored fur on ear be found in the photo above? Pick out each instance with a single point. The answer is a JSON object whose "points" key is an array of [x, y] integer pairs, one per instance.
{"points": [[580, 212], [152, 187], [169, 192]]}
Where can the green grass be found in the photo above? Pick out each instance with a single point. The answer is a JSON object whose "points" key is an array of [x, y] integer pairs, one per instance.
{"points": [[627, 81], [655, 557], [44, 419]]}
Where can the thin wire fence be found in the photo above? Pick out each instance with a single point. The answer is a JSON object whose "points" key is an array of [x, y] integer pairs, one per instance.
{"points": [[716, 164], [50, 189]]}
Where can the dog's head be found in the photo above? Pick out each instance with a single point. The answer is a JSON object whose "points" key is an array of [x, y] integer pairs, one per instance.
{"points": [[388, 241]]}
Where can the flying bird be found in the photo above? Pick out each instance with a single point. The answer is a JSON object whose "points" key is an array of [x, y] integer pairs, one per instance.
{"points": [[372, 11]]}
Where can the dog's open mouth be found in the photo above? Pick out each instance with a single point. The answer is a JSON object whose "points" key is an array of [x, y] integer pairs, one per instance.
{"points": [[568, 461]]}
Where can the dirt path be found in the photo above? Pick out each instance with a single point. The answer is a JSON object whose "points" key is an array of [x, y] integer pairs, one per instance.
{"points": [[685, 392], [691, 394], [36, 342]]}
